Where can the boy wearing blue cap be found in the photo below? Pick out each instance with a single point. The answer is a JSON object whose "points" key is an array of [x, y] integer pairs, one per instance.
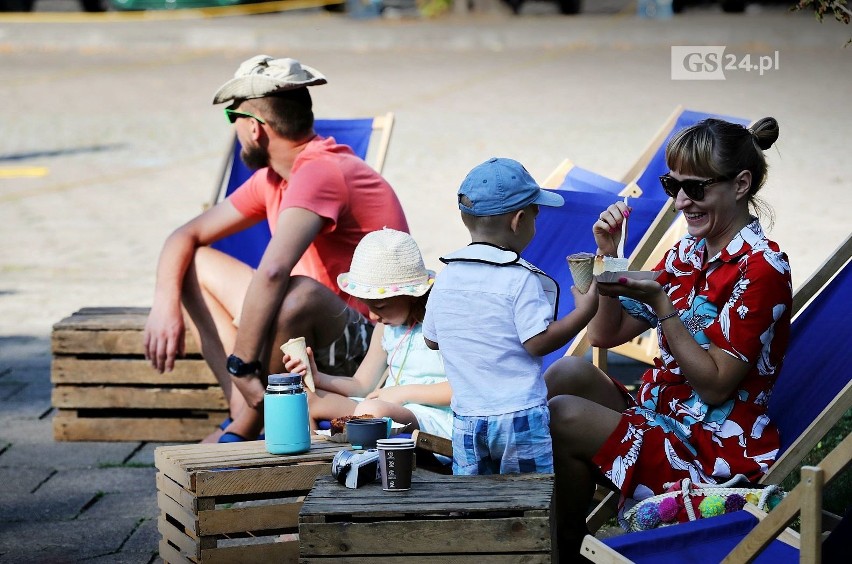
{"points": [[493, 316]]}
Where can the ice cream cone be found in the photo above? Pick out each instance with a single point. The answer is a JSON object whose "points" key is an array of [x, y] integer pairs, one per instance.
{"points": [[581, 266], [296, 348]]}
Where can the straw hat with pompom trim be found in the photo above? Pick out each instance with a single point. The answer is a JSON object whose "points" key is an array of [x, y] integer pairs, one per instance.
{"points": [[386, 263]]}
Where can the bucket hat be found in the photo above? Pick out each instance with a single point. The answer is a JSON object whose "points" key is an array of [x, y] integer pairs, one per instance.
{"points": [[500, 186], [263, 75], [386, 263]]}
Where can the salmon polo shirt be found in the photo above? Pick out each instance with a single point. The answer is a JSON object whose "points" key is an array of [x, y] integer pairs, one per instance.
{"points": [[329, 180]]}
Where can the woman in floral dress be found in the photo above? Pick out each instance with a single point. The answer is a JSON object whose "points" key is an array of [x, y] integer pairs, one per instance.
{"points": [[721, 303]]}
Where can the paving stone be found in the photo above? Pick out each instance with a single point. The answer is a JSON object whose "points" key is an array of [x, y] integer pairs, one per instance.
{"points": [[65, 454], [16, 429], [144, 539], [145, 455], [38, 506], [14, 480], [107, 480], [66, 541], [137, 505], [32, 409]]}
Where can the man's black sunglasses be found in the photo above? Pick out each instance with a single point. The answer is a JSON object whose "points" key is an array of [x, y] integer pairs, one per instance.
{"points": [[694, 189]]}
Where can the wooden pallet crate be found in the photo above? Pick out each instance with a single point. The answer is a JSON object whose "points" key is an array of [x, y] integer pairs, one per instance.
{"points": [[105, 390], [449, 519], [234, 502]]}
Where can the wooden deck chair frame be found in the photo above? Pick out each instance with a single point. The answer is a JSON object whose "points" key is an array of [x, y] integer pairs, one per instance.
{"points": [[376, 153], [805, 500]]}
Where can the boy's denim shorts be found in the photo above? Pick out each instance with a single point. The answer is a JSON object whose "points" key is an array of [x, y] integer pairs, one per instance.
{"points": [[517, 442]]}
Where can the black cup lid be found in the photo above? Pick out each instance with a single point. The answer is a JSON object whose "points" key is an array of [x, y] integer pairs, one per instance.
{"points": [[285, 379]]}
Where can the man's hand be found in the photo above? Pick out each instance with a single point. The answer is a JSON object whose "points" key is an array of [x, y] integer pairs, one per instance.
{"points": [[164, 338], [251, 389]]}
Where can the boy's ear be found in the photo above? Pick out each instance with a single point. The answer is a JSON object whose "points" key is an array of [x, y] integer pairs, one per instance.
{"points": [[516, 220]]}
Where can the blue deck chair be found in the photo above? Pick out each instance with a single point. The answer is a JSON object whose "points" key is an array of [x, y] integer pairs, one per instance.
{"points": [[648, 168], [812, 392], [249, 245], [566, 230]]}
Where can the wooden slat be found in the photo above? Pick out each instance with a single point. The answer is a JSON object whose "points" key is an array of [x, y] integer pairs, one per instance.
{"points": [[432, 443], [172, 556], [429, 536], [113, 330], [273, 516], [811, 515], [183, 463], [130, 397], [68, 426], [178, 512], [127, 371], [253, 554], [179, 494], [431, 492], [267, 479], [105, 318]]}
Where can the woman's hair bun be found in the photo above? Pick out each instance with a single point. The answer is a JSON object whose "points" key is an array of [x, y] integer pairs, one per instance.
{"points": [[765, 132]]}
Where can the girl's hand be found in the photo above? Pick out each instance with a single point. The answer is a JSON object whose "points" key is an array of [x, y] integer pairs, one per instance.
{"points": [[607, 229], [393, 394], [297, 366]]}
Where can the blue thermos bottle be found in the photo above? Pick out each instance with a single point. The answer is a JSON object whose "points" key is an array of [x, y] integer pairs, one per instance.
{"points": [[285, 408]]}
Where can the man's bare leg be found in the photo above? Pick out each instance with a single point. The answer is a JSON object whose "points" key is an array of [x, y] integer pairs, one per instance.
{"points": [[309, 310], [213, 293]]}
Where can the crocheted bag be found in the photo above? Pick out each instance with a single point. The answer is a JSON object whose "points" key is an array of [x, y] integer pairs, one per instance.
{"points": [[685, 501]]}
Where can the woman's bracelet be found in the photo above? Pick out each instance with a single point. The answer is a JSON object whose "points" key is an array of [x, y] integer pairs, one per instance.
{"points": [[669, 316]]}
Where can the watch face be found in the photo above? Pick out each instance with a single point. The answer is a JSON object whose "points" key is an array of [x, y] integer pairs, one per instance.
{"points": [[234, 365]]}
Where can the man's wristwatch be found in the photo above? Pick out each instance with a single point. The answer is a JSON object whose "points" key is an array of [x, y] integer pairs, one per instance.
{"points": [[237, 367]]}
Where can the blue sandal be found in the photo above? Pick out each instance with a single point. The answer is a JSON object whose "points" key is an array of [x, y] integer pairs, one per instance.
{"points": [[232, 438]]}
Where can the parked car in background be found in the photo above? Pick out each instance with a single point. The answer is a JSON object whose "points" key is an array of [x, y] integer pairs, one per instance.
{"points": [[570, 7], [28, 5]]}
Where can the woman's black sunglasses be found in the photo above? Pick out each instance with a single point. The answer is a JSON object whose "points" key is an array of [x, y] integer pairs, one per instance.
{"points": [[694, 189]]}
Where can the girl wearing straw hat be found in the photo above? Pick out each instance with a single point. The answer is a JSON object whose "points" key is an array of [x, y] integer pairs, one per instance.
{"points": [[387, 274]]}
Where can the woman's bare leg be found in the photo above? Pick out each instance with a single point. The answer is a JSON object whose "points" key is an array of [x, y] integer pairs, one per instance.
{"points": [[584, 411]]}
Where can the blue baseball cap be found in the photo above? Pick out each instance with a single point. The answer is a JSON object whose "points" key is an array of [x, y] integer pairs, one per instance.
{"points": [[500, 186]]}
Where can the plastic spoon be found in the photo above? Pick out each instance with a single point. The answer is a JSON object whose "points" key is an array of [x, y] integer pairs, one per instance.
{"points": [[620, 253]]}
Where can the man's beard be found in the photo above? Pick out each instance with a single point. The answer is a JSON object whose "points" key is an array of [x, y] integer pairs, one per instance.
{"points": [[254, 157]]}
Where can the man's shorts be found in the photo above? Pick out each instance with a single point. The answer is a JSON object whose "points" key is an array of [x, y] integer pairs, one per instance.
{"points": [[503, 444], [343, 356]]}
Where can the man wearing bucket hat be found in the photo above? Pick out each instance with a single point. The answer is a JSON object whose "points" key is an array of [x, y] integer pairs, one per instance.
{"points": [[493, 316], [319, 200]]}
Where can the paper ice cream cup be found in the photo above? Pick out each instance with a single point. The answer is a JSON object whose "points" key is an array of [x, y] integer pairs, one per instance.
{"points": [[609, 264]]}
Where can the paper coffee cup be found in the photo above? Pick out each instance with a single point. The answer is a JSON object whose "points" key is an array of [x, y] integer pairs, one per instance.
{"points": [[396, 463], [296, 349], [581, 265]]}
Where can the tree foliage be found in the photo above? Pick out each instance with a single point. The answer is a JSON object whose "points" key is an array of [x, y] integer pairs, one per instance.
{"points": [[838, 8]]}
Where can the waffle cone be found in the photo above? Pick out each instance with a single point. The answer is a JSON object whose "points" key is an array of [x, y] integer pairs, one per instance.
{"points": [[297, 349], [581, 266]]}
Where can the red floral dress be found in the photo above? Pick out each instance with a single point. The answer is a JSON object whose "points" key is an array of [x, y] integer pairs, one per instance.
{"points": [[740, 301]]}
